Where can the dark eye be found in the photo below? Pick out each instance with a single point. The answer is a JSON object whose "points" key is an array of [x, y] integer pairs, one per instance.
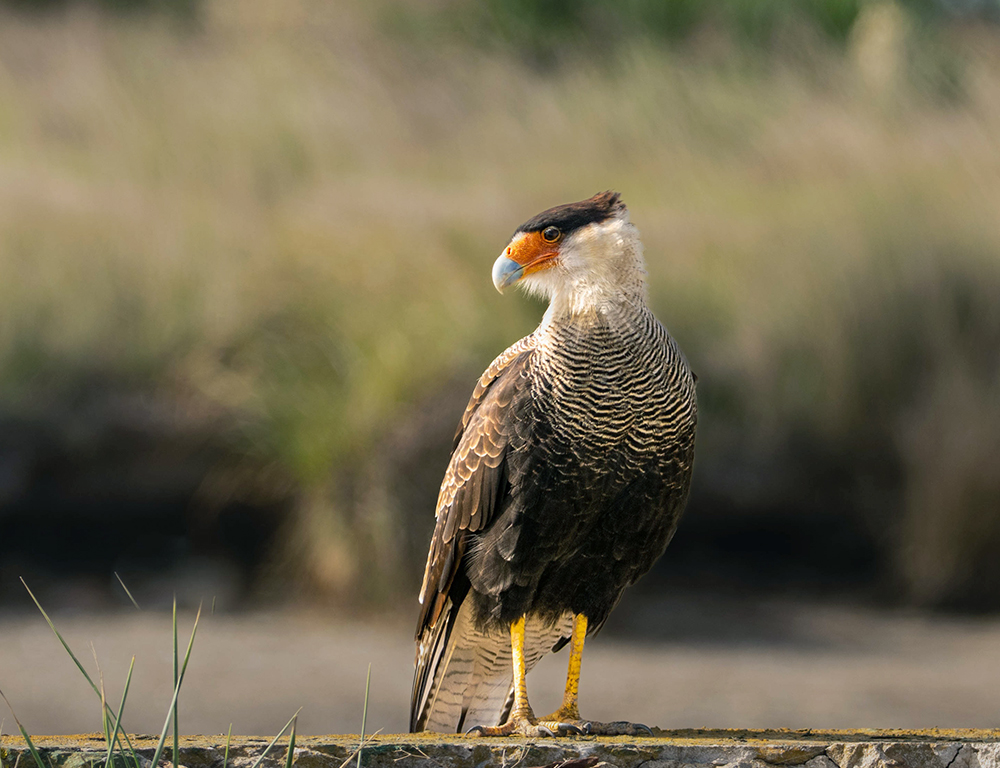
{"points": [[551, 234]]}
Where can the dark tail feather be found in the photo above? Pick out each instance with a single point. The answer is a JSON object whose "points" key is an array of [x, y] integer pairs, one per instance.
{"points": [[462, 675], [432, 648]]}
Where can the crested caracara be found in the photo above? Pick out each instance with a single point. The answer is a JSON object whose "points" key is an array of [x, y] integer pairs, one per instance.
{"points": [[569, 474]]}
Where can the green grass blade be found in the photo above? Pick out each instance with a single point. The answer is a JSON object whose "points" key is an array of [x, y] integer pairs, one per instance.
{"points": [[60, 638], [361, 746], [275, 739], [229, 737], [31, 746], [104, 713], [291, 744], [73, 656], [136, 762], [177, 689], [364, 712], [176, 727], [105, 709], [24, 734], [118, 718], [127, 591]]}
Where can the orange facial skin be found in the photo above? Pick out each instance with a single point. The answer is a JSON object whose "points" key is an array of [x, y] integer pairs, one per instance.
{"points": [[532, 252], [528, 252]]}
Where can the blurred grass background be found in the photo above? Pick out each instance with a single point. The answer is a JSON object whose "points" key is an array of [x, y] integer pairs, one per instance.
{"points": [[245, 293]]}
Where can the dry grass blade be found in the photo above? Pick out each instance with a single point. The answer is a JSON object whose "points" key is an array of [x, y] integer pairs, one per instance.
{"points": [[104, 700], [127, 592], [274, 741], [357, 752], [118, 718], [24, 734], [177, 689], [581, 762], [364, 712]]}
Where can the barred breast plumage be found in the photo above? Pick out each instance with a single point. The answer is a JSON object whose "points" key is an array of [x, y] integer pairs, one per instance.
{"points": [[569, 475]]}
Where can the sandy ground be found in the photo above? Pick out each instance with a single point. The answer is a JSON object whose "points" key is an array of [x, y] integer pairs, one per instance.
{"points": [[684, 662]]}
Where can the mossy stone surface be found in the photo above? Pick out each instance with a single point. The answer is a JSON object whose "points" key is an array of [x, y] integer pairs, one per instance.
{"points": [[690, 748]]}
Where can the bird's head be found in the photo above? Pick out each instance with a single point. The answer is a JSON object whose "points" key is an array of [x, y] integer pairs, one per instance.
{"points": [[579, 256]]}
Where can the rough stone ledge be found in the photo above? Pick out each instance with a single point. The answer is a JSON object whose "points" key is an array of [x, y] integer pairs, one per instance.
{"points": [[693, 748]]}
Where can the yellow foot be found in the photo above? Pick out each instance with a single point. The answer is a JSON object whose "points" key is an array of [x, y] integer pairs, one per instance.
{"points": [[527, 726], [567, 719]]}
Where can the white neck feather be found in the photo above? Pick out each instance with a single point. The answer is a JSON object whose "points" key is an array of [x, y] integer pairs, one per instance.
{"points": [[600, 270]]}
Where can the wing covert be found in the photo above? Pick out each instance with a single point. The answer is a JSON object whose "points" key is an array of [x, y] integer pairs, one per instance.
{"points": [[475, 482]]}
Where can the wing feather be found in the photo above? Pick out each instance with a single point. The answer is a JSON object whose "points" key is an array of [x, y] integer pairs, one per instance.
{"points": [[475, 481], [472, 493]]}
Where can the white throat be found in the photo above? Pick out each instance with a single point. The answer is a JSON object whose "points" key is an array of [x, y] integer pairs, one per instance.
{"points": [[600, 270]]}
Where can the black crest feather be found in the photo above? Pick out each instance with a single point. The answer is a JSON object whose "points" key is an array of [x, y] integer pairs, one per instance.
{"points": [[570, 216]]}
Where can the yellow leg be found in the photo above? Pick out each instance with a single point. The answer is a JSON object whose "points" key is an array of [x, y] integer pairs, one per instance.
{"points": [[522, 719], [564, 720], [570, 709], [567, 718], [521, 708]]}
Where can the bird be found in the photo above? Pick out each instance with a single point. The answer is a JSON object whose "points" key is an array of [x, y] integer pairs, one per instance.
{"points": [[569, 473]]}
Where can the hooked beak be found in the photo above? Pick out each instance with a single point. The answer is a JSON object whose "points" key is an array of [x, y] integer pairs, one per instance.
{"points": [[506, 272]]}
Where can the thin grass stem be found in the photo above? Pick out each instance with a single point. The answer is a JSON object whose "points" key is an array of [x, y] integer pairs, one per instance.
{"points": [[291, 744], [127, 592], [177, 689], [136, 762], [118, 719], [359, 748], [60, 638], [24, 734], [229, 737], [176, 727], [274, 741], [105, 710], [364, 712], [76, 661]]}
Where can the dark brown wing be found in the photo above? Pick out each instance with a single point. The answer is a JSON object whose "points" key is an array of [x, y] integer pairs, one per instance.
{"points": [[475, 482]]}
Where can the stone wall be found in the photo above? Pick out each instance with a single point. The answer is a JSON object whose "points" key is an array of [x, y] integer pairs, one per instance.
{"points": [[668, 749]]}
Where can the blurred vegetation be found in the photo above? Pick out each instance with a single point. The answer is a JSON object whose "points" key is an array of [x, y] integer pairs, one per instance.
{"points": [[185, 11], [543, 33], [276, 229]]}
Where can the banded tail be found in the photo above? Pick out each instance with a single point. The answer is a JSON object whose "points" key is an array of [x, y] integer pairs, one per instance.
{"points": [[464, 676]]}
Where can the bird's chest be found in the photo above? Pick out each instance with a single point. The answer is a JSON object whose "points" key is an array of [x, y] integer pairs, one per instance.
{"points": [[601, 399]]}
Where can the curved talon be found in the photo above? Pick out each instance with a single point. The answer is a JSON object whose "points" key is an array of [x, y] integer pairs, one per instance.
{"points": [[619, 728], [625, 728], [530, 730]]}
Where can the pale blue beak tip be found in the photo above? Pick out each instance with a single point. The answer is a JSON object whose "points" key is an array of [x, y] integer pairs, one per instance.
{"points": [[506, 272]]}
